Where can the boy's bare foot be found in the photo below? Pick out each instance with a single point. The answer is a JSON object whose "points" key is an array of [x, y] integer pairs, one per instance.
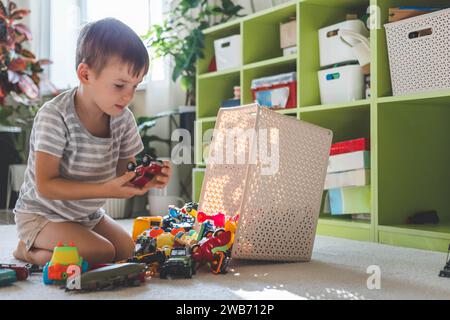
{"points": [[21, 251]]}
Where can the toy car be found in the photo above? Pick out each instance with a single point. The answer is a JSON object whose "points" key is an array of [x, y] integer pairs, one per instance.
{"points": [[185, 239], [141, 224], [190, 208], [208, 246], [63, 256], [180, 263], [206, 230], [22, 273], [110, 277], [7, 277], [144, 245], [220, 262], [181, 220], [145, 172]]}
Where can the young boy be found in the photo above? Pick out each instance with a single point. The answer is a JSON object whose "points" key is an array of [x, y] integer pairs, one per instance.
{"points": [[80, 145]]}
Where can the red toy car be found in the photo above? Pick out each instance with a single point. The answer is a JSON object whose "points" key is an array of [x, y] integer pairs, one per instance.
{"points": [[145, 172], [213, 250]]}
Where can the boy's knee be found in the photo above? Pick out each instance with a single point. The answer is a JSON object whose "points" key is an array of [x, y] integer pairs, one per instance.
{"points": [[125, 250], [100, 252], [107, 252]]}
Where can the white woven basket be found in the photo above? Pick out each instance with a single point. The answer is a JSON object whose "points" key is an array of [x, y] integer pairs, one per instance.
{"points": [[278, 212], [422, 63]]}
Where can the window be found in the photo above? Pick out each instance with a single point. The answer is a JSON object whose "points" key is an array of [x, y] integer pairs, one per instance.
{"points": [[67, 18]]}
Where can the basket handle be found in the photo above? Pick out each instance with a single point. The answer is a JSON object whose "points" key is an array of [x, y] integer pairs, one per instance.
{"points": [[420, 33]]}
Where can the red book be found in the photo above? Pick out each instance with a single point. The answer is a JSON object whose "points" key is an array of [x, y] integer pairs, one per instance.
{"points": [[360, 144]]}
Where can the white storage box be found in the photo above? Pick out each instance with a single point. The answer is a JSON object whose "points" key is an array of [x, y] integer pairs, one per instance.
{"points": [[278, 201], [341, 84], [419, 53], [228, 52], [288, 34], [333, 49]]}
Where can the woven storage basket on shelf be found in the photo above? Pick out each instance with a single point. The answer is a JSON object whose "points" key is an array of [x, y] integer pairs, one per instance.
{"points": [[278, 212], [419, 53]]}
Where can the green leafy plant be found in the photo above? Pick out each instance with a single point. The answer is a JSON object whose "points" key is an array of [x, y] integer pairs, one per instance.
{"points": [[181, 36], [20, 72], [145, 125]]}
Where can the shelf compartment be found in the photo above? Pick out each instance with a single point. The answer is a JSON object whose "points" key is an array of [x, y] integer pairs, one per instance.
{"points": [[346, 123], [212, 34], [413, 157], [265, 69], [382, 70], [263, 29], [314, 15], [212, 91]]}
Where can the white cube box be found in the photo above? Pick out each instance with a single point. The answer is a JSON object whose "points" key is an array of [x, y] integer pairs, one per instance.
{"points": [[228, 52], [418, 51], [332, 49], [341, 84]]}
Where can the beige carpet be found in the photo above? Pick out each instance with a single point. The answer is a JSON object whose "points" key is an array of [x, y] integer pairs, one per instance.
{"points": [[338, 270]]}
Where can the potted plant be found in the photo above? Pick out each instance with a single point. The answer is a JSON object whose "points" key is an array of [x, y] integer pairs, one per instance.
{"points": [[181, 37], [20, 75]]}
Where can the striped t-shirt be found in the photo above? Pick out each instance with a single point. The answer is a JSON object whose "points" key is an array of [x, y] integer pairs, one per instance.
{"points": [[57, 130]]}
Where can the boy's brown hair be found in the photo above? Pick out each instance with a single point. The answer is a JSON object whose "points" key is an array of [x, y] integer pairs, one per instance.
{"points": [[108, 38]]}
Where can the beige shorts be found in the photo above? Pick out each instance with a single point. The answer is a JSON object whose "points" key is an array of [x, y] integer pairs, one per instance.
{"points": [[29, 225]]}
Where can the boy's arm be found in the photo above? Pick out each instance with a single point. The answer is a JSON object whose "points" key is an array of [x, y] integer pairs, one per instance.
{"points": [[121, 168], [50, 185]]}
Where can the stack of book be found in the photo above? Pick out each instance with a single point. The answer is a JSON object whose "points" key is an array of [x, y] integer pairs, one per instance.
{"points": [[348, 179]]}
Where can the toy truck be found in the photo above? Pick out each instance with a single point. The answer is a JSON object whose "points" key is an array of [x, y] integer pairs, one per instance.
{"points": [[55, 271], [146, 171], [22, 273], [110, 277], [179, 263], [7, 277], [143, 223]]}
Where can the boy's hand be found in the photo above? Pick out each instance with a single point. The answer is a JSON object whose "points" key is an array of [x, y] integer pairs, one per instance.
{"points": [[160, 180], [121, 188]]}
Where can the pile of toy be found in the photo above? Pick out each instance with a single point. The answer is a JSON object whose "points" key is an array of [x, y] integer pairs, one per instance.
{"points": [[175, 245], [171, 246]]}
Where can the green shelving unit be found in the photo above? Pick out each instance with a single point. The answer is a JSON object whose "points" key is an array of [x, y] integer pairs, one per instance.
{"points": [[409, 134]]}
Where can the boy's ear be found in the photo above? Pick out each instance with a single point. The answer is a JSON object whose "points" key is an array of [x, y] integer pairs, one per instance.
{"points": [[83, 73]]}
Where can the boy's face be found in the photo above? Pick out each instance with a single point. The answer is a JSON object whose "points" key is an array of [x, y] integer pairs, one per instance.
{"points": [[113, 89]]}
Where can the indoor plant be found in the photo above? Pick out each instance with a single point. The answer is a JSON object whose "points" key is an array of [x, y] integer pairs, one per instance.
{"points": [[20, 74], [181, 37]]}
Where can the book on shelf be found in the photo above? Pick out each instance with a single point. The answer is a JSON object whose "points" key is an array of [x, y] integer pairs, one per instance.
{"points": [[360, 144], [361, 217], [348, 200], [349, 161], [352, 178]]}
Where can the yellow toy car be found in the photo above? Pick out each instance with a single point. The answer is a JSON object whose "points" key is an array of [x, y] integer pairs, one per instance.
{"points": [[143, 223]]}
